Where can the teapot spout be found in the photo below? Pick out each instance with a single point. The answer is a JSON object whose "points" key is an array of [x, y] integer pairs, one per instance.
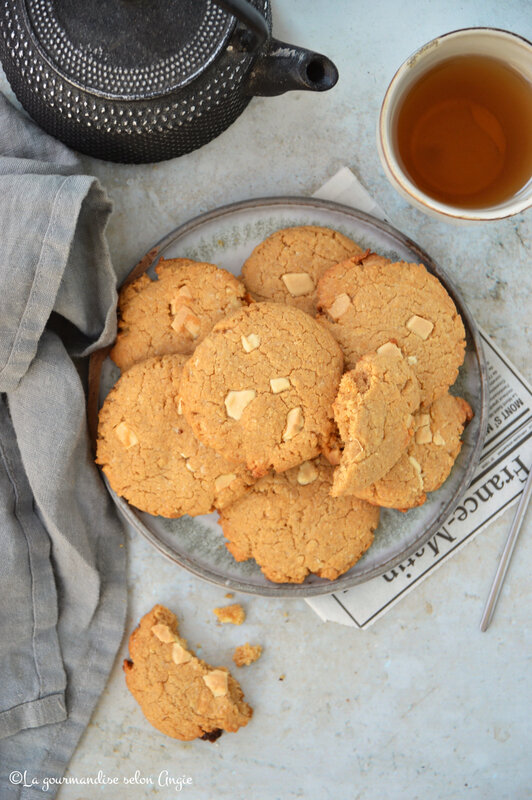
{"points": [[284, 67]]}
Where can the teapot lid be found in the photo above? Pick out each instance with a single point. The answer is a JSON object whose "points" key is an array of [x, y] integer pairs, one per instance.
{"points": [[128, 49]]}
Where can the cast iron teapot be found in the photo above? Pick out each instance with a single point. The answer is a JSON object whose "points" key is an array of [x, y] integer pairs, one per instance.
{"points": [[147, 80]]}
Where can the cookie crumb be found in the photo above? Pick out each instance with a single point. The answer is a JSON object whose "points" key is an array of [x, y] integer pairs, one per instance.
{"points": [[282, 677], [246, 654], [234, 614], [229, 594]]}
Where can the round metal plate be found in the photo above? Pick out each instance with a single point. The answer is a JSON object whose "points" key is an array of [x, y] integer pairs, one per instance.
{"points": [[226, 236]]}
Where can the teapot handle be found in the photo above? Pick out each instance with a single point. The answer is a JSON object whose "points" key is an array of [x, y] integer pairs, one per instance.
{"points": [[250, 17]]}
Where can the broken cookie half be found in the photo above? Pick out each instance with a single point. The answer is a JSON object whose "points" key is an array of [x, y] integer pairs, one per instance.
{"points": [[429, 458], [374, 413], [179, 694]]}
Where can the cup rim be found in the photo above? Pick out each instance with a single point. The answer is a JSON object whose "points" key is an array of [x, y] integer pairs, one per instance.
{"points": [[397, 175]]}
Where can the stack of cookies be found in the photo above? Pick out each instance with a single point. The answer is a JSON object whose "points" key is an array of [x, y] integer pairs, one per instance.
{"points": [[295, 401]]}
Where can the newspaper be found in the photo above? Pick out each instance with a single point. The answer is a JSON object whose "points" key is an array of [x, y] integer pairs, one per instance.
{"points": [[497, 484]]}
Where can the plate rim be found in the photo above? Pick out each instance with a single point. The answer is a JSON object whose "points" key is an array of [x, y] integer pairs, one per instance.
{"points": [[297, 591]]}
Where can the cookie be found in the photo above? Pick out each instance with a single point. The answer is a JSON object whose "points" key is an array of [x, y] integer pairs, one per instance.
{"points": [[180, 694], [286, 266], [367, 301], [373, 411], [291, 525], [174, 313], [259, 388], [429, 458], [149, 453]]}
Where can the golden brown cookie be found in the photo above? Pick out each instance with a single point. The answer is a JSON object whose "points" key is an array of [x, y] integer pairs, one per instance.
{"points": [[368, 301], [373, 411], [149, 453], [291, 525], [429, 457], [286, 266], [259, 388], [180, 694], [174, 313]]}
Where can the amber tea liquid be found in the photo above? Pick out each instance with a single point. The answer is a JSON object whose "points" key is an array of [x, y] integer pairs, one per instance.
{"points": [[464, 132]]}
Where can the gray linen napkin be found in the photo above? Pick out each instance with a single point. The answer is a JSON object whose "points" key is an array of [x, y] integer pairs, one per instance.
{"points": [[62, 554]]}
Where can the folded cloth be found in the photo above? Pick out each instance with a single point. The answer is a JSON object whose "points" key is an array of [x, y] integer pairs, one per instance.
{"points": [[62, 569]]}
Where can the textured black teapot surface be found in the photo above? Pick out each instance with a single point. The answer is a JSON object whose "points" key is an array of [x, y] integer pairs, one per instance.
{"points": [[130, 50], [147, 80]]}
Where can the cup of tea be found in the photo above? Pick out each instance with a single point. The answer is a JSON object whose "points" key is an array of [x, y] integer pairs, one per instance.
{"points": [[455, 127]]}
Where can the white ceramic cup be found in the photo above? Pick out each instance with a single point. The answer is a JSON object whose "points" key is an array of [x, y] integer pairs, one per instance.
{"points": [[509, 48]]}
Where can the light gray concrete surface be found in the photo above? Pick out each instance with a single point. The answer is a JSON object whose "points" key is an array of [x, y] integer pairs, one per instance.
{"points": [[422, 705]]}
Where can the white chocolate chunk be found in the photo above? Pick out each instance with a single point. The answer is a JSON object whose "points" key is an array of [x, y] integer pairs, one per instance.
{"points": [[424, 435], [180, 655], [179, 406], [389, 349], [250, 342], [412, 360], [339, 306], [163, 633], [417, 466], [298, 283], [216, 680], [294, 423], [279, 385], [128, 437], [223, 481], [236, 402], [186, 320], [178, 305], [183, 294], [424, 420], [438, 439], [307, 473], [193, 325], [420, 326], [189, 466]]}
